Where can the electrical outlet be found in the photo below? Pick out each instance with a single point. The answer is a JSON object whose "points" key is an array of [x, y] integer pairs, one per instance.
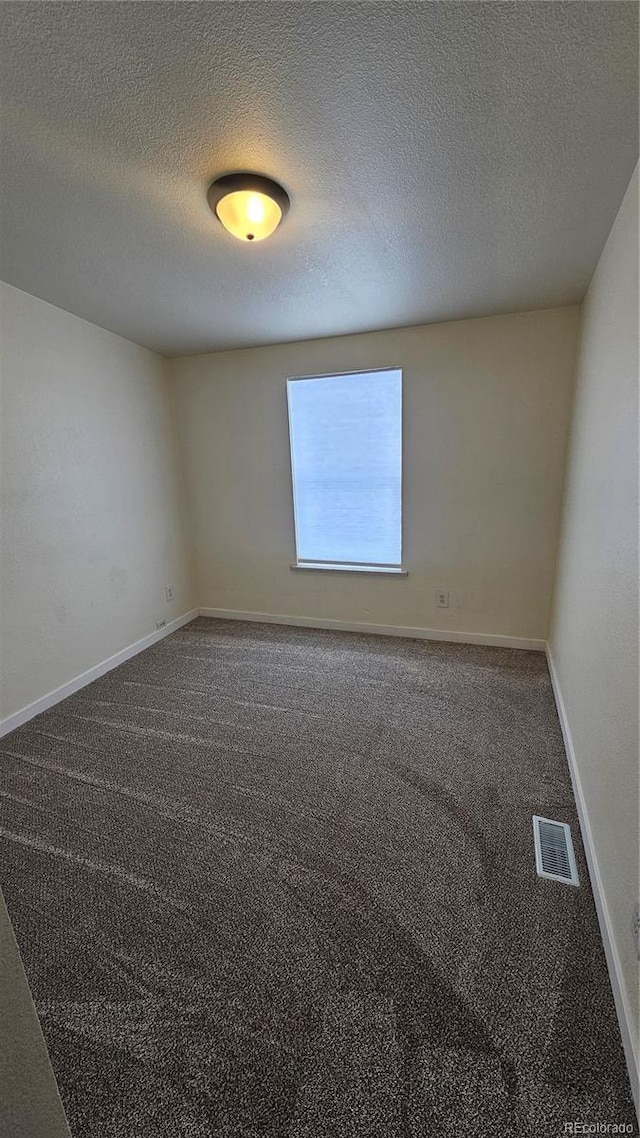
{"points": [[442, 599], [160, 623], [168, 592]]}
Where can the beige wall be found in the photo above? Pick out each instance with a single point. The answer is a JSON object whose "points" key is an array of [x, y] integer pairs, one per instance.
{"points": [[486, 414], [92, 522], [30, 1105], [594, 635]]}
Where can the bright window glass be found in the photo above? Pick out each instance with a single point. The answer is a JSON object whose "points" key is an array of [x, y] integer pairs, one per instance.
{"points": [[346, 459]]}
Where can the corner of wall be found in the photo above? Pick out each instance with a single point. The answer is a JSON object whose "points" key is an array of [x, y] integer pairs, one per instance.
{"points": [[592, 641]]}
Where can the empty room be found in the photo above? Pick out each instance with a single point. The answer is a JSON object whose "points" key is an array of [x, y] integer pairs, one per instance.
{"points": [[319, 569]]}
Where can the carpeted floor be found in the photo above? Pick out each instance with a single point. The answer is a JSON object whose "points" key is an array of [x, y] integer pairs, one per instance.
{"points": [[274, 881]]}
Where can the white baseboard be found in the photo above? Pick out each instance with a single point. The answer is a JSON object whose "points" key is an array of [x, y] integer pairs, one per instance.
{"points": [[495, 641], [619, 988], [81, 681]]}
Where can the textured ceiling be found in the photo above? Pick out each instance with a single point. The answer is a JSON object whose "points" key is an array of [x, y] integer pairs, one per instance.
{"points": [[443, 159]]}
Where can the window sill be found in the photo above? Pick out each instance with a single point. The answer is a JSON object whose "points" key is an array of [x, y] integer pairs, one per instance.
{"points": [[386, 570]]}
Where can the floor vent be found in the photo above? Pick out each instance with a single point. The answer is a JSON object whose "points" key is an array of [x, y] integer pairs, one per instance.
{"points": [[554, 851]]}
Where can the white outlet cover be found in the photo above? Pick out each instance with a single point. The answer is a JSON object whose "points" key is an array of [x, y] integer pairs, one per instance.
{"points": [[442, 599]]}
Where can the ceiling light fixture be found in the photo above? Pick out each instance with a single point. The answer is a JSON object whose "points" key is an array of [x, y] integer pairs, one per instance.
{"points": [[250, 206]]}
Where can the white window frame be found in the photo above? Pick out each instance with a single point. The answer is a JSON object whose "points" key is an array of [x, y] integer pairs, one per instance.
{"points": [[347, 566]]}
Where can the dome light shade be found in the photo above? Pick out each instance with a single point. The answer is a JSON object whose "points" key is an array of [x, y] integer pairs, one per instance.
{"points": [[249, 206]]}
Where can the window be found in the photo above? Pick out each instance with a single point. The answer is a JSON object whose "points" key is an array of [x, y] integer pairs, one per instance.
{"points": [[346, 461]]}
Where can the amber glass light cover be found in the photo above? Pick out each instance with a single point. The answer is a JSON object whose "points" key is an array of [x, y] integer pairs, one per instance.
{"points": [[248, 205]]}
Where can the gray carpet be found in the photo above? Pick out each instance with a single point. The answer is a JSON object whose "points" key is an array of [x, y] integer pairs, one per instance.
{"points": [[280, 882]]}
